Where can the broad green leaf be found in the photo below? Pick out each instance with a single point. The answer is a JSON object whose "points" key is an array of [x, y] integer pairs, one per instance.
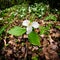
{"points": [[51, 17], [34, 38], [17, 31]]}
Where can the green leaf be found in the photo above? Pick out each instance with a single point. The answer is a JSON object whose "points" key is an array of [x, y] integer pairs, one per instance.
{"points": [[58, 27], [2, 29], [35, 58], [51, 17], [7, 45], [17, 31], [44, 29], [34, 38]]}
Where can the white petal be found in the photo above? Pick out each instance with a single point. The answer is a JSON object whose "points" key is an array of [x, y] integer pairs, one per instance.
{"points": [[29, 29], [25, 22], [35, 24]]}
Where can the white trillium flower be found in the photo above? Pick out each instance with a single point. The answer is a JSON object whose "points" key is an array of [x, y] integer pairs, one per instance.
{"points": [[30, 25]]}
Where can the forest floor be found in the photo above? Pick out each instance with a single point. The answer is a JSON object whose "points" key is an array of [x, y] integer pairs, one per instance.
{"points": [[18, 47]]}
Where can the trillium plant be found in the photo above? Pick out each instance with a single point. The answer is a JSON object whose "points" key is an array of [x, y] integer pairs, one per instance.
{"points": [[33, 37]]}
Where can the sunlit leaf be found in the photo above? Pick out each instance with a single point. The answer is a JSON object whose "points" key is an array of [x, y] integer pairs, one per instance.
{"points": [[17, 31], [34, 38]]}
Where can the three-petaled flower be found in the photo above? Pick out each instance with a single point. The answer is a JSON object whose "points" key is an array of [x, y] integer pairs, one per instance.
{"points": [[30, 25]]}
